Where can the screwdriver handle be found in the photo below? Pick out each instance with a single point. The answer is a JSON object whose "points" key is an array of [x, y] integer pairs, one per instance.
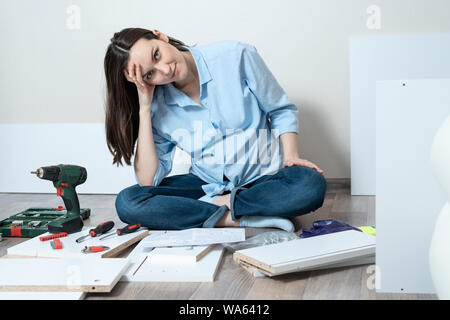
{"points": [[94, 249], [53, 236], [128, 229], [101, 228]]}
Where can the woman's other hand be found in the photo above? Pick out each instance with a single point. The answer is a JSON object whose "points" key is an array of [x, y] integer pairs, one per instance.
{"points": [[302, 163]]}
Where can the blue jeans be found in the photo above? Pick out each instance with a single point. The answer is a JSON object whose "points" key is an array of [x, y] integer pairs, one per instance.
{"points": [[174, 204]]}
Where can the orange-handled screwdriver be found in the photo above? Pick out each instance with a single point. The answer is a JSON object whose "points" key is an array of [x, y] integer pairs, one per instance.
{"points": [[100, 229], [125, 230]]}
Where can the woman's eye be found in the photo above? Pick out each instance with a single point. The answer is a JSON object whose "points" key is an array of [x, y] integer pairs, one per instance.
{"points": [[147, 75]]}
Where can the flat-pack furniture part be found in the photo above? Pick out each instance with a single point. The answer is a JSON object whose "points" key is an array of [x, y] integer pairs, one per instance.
{"points": [[77, 275], [335, 249], [143, 269], [71, 249]]}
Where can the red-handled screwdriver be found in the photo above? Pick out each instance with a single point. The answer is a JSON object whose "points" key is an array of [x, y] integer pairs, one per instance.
{"points": [[100, 229], [125, 230]]}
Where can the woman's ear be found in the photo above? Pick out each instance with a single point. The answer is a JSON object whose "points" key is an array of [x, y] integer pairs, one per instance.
{"points": [[125, 73], [160, 35]]}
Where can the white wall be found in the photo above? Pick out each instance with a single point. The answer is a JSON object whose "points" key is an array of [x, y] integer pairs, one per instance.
{"points": [[53, 74]]}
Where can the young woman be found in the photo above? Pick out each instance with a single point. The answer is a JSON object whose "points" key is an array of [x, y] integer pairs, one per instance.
{"points": [[162, 94]]}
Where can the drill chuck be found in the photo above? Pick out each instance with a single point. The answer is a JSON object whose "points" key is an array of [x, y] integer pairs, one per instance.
{"points": [[52, 173]]}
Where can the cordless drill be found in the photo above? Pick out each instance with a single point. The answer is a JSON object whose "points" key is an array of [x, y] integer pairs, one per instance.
{"points": [[65, 178]]}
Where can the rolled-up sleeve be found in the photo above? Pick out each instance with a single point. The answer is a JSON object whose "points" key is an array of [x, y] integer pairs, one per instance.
{"points": [[272, 99], [165, 150]]}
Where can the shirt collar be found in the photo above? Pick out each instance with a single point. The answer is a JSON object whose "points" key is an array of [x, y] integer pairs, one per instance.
{"points": [[173, 96]]}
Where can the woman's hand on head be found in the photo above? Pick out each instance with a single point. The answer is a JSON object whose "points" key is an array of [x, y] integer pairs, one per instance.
{"points": [[145, 90]]}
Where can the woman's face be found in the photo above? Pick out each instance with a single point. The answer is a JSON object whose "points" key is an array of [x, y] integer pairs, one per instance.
{"points": [[157, 60]]}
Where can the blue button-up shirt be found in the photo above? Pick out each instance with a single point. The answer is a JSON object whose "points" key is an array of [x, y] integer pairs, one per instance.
{"points": [[233, 136]]}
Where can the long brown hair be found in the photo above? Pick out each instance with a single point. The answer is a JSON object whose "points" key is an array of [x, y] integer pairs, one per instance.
{"points": [[122, 101]]}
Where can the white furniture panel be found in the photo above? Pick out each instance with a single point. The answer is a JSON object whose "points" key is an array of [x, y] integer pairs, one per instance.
{"points": [[385, 58], [84, 275], [409, 199]]}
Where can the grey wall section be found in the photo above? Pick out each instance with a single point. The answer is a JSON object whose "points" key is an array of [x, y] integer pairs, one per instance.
{"points": [[385, 58], [51, 73]]}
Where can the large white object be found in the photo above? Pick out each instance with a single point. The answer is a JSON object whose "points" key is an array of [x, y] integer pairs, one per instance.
{"points": [[81, 275], [440, 242], [408, 196], [26, 295], [370, 259], [71, 249], [194, 237], [143, 269], [26, 147], [333, 249], [378, 58]]}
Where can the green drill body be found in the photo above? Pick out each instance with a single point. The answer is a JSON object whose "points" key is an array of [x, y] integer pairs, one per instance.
{"points": [[65, 178]]}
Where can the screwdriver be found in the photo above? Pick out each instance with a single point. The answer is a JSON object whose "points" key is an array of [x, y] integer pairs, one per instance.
{"points": [[100, 229], [125, 230]]}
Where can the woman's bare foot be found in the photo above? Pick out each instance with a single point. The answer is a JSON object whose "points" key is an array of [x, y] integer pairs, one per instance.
{"points": [[226, 220], [222, 199]]}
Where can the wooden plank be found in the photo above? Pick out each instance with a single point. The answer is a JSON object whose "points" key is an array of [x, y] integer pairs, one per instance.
{"points": [[71, 249], [305, 254], [256, 272], [79, 275]]}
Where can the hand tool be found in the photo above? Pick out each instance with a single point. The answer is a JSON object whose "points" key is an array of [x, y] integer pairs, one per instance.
{"points": [[56, 244], [125, 230], [53, 236], [65, 178], [16, 223], [94, 249], [34, 224], [102, 228]]}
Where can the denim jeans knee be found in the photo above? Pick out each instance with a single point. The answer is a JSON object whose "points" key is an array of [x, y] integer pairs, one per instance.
{"points": [[123, 204], [312, 184]]}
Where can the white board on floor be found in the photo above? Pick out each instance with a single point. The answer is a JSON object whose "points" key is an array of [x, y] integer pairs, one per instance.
{"points": [[26, 295], [81, 275], [355, 262], [308, 253], [179, 255], [194, 237], [143, 270], [71, 249]]}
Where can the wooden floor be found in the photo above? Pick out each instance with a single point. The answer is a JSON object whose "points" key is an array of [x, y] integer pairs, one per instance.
{"points": [[232, 281]]}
